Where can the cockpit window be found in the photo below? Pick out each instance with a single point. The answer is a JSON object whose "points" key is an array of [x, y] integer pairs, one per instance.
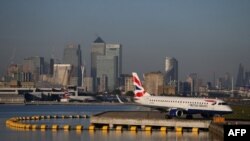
{"points": [[222, 103]]}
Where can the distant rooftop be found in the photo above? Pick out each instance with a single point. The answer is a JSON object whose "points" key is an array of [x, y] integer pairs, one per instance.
{"points": [[99, 40]]}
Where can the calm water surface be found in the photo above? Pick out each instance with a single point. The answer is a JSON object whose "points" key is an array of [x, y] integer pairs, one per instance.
{"points": [[8, 134]]}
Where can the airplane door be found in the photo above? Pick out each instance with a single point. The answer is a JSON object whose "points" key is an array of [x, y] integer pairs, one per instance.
{"points": [[148, 101]]}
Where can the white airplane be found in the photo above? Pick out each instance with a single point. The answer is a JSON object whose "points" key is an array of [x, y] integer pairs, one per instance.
{"points": [[178, 106]]}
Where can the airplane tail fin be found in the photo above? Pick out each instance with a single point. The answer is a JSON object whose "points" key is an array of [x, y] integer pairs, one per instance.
{"points": [[139, 90]]}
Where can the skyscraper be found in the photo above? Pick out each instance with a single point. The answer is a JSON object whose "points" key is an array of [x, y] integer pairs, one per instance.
{"points": [[97, 49], [240, 76], [72, 55], [115, 50], [247, 78], [106, 65], [193, 81], [106, 71], [171, 71], [35, 66], [228, 81], [153, 81], [51, 66]]}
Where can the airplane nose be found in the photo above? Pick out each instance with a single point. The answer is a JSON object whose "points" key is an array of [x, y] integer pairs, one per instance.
{"points": [[230, 109]]}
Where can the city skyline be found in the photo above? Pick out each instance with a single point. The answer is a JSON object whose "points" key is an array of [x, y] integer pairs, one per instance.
{"points": [[204, 36]]}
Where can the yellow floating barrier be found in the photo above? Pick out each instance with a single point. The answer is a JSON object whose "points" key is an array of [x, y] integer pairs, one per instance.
{"points": [[16, 122], [118, 128], [133, 128], [178, 129], [91, 127], [79, 127], [163, 129], [7, 122], [105, 127], [43, 126], [27, 126], [17, 125], [66, 127], [195, 129], [13, 124], [148, 128], [33, 126], [54, 127]]}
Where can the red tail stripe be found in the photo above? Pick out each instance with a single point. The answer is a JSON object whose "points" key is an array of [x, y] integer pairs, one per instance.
{"points": [[136, 81]]}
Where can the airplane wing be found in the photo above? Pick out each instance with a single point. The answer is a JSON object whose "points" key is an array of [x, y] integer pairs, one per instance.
{"points": [[119, 99]]}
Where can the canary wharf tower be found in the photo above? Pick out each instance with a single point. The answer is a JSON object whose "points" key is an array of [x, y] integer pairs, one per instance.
{"points": [[73, 55]]}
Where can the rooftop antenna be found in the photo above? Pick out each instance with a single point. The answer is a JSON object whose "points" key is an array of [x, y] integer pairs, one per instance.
{"points": [[232, 87]]}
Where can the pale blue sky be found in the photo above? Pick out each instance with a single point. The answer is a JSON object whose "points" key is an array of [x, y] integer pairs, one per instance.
{"points": [[205, 36]]}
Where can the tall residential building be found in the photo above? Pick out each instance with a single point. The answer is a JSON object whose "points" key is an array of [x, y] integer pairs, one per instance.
{"points": [[73, 55], [61, 74], [240, 76], [128, 82], [153, 81], [115, 50], [106, 66], [247, 78], [88, 84], [97, 49], [224, 82], [103, 83], [51, 66], [34, 65], [228, 81], [171, 71], [193, 82], [13, 72]]}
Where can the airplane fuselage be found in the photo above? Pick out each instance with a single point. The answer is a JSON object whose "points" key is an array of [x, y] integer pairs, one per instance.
{"points": [[186, 104]]}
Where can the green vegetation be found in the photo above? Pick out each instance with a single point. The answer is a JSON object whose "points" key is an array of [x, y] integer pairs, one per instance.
{"points": [[130, 93], [241, 112]]}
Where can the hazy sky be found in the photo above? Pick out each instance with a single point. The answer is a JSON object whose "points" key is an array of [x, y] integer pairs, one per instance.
{"points": [[205, 36]]}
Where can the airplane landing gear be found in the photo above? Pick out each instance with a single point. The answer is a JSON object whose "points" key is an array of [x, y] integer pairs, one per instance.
{"points": [[189, 117]]}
